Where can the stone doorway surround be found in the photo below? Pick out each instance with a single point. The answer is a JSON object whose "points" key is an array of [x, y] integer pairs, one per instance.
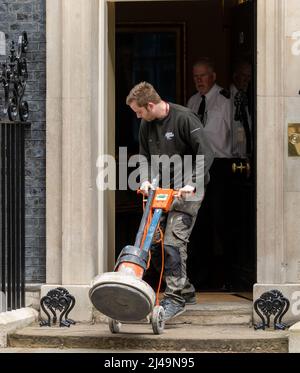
{"points": [[80, 113], [278, 178], [80, 126]]}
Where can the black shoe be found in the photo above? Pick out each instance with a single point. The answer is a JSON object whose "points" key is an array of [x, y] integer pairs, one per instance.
{"points": [[190, 298], [172, 308]]}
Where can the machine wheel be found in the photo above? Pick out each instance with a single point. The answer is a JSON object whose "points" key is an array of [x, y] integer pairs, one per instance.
{"points": [[114, 326], [158, 319]]}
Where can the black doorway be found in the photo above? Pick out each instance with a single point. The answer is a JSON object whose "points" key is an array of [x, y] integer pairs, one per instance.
{"points": [[158, 42]]}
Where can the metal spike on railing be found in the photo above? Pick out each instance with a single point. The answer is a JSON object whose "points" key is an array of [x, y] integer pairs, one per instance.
{"points": [[13, 76]]}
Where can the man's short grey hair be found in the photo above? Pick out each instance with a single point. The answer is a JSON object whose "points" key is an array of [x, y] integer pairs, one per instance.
{"points": [[206, 61], [239, 64]]}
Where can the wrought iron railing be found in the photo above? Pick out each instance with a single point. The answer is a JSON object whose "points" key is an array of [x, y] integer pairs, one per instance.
{"points": [[12, 186], [13, 76]]}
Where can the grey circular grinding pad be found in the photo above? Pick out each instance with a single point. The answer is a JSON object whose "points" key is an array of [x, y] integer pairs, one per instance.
{"points": [[123, 298]]}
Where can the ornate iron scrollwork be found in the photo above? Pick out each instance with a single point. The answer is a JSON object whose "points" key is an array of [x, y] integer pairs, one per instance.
{"points": [[61, 300], [13, 76], [271, 303]]}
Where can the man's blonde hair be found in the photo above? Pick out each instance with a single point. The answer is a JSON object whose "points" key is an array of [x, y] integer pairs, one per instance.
{"points": [[143, 93]]}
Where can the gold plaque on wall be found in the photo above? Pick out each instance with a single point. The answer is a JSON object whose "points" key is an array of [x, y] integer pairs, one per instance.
{"points": [[294, 139]]}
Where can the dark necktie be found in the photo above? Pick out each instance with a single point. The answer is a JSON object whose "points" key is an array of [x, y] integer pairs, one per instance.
{"points": [[201, 110], [241, 103]]}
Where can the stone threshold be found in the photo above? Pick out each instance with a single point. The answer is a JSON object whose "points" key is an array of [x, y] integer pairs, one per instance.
{"points": [[176, 337]]}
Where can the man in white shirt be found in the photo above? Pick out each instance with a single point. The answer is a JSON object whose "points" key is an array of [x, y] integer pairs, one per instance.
{"points": [[241, 119], [216, 118], [213, 105]]}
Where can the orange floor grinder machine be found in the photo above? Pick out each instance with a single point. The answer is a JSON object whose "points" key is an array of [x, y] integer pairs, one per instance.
{"points": [[123, 295]]}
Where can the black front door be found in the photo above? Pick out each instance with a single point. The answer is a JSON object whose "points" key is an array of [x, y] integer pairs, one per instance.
{"points": [[244, 171], [230, 265]]}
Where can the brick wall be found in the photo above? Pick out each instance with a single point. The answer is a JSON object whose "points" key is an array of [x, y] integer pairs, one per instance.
{"points": [[30, 16]]}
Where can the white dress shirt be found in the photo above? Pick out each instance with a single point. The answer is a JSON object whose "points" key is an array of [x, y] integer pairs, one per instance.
{"points": [[238, 133], [217, 123]]}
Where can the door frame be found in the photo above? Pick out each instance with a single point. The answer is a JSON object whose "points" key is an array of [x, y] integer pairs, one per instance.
{"points": [[270, 165]]}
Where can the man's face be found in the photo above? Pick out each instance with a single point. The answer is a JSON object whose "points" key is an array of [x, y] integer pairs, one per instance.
{"points": [[142, 112], [204, 78], [242, 77]]}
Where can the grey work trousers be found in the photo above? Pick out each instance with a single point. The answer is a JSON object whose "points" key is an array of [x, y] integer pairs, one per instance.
{"points": [[177, 226]]}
